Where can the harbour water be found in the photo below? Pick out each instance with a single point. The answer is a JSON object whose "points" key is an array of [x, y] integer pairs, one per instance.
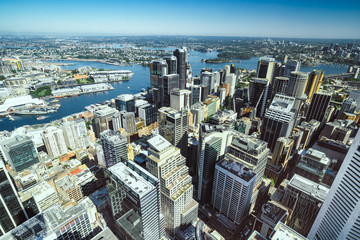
{"points": [[141, 79]]}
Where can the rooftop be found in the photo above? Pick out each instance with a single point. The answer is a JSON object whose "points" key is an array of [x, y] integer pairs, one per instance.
{"points": [[309, 187], [159, 143], [283, 232], [133, 180], [237, 169], [249, 144]]}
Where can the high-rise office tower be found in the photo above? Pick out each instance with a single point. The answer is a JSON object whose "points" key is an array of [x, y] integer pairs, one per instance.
{"points": [[258, 94], [339, 216], [291, 66], [304, 197], [196, 94], [172, 64], [128, 122], [173, 126], [104, 120], [349, 106], [266, 67], [168, 83], [75, 134], [157, 70], [231, 78], [252, 152], [182, 61], [54, 141], [20, 152], [232, 189], [276, 168], [180, 99], [279, 120], [114, 147], [148, 113], [314, 83], [297, 84], [318, 107], [135, 202], [125, 102], [209, 148], [12, 212], [279, 86], [177, 203]]}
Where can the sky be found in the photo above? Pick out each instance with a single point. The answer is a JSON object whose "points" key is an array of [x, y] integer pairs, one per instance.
{"points": [[261, 18]]}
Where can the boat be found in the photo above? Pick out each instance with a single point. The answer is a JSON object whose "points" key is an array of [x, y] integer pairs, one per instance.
{"points": [[41, 118], [55, 101], [11, 118], [59, 97]]}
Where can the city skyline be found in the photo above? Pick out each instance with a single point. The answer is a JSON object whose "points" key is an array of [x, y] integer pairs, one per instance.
{"points": [[230, 18]]}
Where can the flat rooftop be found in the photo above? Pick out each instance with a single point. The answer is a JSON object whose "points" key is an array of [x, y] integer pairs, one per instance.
{"points": [[237, 169], [283, 232], [159, 143], [133, 180], [309, 187]]}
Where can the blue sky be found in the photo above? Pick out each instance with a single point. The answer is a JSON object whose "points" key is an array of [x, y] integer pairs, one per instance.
{"points": [[276, 18]]}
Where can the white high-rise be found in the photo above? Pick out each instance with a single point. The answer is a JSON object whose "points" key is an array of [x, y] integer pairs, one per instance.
{"points": [[54, 141], [339, 216], [75, 134], [168, 165]]}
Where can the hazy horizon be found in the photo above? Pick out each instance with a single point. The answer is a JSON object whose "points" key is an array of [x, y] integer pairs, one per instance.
{"points": [[279, 18]]}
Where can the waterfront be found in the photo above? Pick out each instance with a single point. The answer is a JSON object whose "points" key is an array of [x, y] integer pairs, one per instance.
{"points": [[141, 79]]}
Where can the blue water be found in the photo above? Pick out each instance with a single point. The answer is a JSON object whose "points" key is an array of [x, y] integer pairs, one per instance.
{"points": [[140, 80]]}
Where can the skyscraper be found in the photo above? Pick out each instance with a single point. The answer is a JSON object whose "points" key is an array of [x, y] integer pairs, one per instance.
{"points": [[12, 212], [20, 152], [104, 120], [318, 107], [297, 84], [177, 203], [182, 61], [114, 147], [148, 113], [172, 64], [125, 102], [314, 83], [232, 189], [54, 141], [266, 67], [339, 216], [258, 94], [180, 99], [128, 122], [291, 66], [304, 197], [173, 126], [157, 70], [251, 152], [279, 85], [168, 83], [135, 202], [279, 120]]}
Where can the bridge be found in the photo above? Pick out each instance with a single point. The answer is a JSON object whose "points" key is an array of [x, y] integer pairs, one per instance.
{"points": [[340, 75]]}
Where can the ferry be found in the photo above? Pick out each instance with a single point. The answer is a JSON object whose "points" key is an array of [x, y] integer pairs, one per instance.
{"points": [[41, 118]]}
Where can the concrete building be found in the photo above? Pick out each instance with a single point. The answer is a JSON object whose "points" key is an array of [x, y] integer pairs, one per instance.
{"points": [[283, 232], [279, 120], [173, 126], [339, 217], [114, 147], [148, 113], [252, 152], [195, 94], [104, 120], [182, 62], [304, 197], [135, 202], [313, 165], [232, 189], [75, 134], [177, 203], [128, 122], [296, 87], [279, 86], [266, 68], [19, 152], [54, 141], [180, 99]]}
